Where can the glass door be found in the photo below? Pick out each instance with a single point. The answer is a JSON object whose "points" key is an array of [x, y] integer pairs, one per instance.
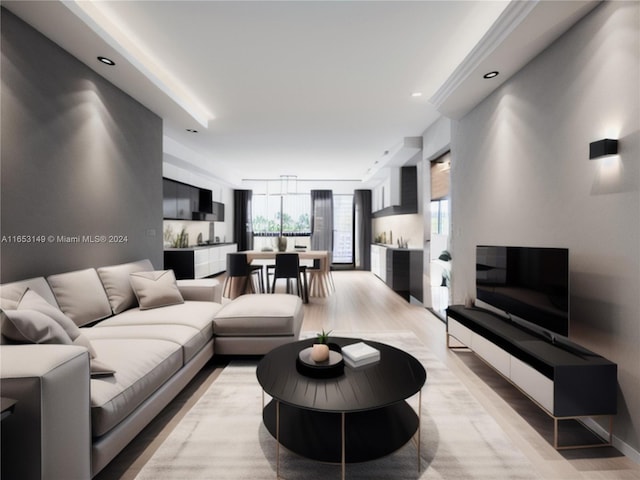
{"points": [[343, 229], [439, 254]]}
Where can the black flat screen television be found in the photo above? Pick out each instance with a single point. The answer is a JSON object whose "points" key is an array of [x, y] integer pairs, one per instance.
{"points": [[529, 284]]}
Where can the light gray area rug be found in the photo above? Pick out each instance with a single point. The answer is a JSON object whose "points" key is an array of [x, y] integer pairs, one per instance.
{"points": [[223, 437]]}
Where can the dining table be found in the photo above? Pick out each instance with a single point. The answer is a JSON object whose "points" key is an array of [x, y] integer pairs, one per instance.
{"points": [[320, 284]]}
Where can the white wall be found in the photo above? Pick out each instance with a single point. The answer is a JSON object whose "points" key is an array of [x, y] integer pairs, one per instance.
{"points": [[521, 175]]}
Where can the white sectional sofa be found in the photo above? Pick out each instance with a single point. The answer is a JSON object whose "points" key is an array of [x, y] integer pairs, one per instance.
{"points": [[143, 336]]}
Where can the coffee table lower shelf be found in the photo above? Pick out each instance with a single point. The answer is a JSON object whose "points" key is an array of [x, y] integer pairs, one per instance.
{"points": [[318, 435]]}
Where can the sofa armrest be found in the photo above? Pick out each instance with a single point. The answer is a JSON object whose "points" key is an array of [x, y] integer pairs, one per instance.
{"points": [[48, 435], [203, 290]]}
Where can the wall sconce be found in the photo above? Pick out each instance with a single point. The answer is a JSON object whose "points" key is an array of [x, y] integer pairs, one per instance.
{"points": [[602, 148]]}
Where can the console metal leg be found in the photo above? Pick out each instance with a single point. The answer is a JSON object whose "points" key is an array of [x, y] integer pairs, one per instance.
{"points": [[607, 443], [419, 426], [277, 438], [344, 445]]}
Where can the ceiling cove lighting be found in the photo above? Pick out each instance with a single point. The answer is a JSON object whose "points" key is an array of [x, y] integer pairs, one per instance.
{"points": [[107, 61], [493, 74], [602, 148]]}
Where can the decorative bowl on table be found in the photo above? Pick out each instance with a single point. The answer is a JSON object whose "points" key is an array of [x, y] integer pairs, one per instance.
{"points": [[332, 367]]}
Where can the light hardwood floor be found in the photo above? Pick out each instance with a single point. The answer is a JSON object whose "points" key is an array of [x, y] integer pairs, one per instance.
{"points": [[363, 303]]}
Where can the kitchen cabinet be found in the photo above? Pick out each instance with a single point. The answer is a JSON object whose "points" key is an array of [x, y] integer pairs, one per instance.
{"points": [[397, 194], [379, 261], [181, 201], [169, 198], [400, 268], [198, 262]]}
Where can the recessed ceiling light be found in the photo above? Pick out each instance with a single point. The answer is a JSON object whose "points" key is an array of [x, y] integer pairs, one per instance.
{"points": [[107, 61], [416, 94], [191, 130], [491, 74]]}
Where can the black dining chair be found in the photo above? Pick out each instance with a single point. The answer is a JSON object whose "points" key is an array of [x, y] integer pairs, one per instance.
{"points": [[238, 268], [288, 267]]}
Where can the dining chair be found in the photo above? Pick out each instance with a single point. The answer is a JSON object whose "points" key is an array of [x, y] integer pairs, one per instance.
{"points": [[288, 267], [240, 270]]}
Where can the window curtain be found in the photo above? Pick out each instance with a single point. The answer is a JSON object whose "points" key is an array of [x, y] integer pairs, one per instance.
{"points": [[242, 226], [322, 220], [362, 229]]}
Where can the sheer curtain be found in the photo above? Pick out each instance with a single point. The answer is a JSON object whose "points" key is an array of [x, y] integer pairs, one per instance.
{"points": [[362, 229], [242, 225], [322, 220]]}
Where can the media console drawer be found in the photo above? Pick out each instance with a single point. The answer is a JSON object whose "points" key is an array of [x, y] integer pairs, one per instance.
{"points": [[460, 332], [536, 385], [492, 354]]}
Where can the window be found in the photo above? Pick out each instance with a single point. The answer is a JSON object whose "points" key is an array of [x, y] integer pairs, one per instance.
{"points": [[440, 217], [292, 211], [343, 229]]}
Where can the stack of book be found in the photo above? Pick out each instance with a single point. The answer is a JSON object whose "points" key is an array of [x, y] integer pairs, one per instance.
{"points": [[359, 354]]}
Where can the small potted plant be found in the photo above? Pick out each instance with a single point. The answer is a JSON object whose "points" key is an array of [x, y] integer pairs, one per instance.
{"points": [[320, 349]]}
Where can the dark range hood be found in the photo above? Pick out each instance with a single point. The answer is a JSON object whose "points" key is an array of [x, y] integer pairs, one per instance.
{"points": [[215, 213]]}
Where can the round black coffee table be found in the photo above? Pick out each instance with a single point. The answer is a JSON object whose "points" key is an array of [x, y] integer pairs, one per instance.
{"points": [[357, 416]]}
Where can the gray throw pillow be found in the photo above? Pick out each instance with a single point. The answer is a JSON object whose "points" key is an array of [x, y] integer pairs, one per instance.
{"points": [[32, 301], [155, 289], [31, 326]]}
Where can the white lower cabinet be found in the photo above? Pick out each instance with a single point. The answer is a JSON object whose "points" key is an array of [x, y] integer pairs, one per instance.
{"points": [[379, 261], [201, 265]]}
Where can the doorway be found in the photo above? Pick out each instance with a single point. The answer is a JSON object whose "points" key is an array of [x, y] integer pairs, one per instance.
{"points": [[439, 251], [342, 231]]}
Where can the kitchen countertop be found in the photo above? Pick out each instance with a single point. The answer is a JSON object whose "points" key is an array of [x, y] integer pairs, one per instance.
{"points": [[395, 247], [197, 247]]}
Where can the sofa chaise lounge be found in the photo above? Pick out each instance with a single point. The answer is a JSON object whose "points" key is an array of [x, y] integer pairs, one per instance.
{"points": [[120, 343]]}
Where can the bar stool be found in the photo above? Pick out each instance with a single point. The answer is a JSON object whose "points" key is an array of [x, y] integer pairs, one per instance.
{"points": [[239, 269], [288, 267]]}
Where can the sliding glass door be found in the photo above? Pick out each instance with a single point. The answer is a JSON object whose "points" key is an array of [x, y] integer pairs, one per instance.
{"points": [[343, 229]]}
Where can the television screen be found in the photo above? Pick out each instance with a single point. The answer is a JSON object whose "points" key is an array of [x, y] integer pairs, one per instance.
{"points": [[526, 283]]}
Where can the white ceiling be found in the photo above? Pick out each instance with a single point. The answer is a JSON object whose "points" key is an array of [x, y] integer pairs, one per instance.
{"points": [[318, 89]]}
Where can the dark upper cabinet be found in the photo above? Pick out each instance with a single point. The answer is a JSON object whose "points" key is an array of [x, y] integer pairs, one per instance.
{"points": [[218, 211], [169, 199], [408, 194], [186, 202], [204, 198]]}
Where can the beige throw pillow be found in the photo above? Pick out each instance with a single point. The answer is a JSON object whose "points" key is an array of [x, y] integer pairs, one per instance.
{"points": [[115, 279], [81, 296], [155, 289]]}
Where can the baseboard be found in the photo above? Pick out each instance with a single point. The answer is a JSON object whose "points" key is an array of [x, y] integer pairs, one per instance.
{"points": [[624, 448]]}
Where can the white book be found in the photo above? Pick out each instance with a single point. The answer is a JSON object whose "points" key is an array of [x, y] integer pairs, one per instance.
{"points": [[360, 363], [359, 352]]}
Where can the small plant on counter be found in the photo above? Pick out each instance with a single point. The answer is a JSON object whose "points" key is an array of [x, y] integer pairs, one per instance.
{"points": [[181, 240]]}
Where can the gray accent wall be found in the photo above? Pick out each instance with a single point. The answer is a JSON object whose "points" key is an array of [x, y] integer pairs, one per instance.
{"points": [[521, 175], [80, 166]]}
